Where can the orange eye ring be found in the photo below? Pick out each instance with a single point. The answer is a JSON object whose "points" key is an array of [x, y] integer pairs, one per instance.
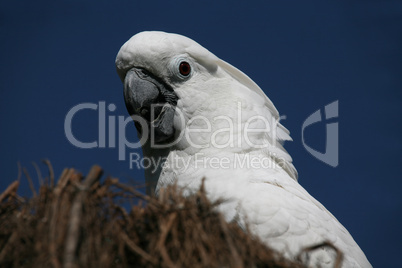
{"points": [[184, 68]]}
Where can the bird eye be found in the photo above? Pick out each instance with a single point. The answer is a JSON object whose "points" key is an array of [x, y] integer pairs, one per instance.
{"points": [[184, 68]]}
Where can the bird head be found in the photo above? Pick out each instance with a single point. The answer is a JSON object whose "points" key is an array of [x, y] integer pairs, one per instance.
{"points": [[153, 67], [173, 85]]}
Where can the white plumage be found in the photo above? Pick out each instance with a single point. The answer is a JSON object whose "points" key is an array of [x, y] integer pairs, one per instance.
{"points": [[252, 171]]}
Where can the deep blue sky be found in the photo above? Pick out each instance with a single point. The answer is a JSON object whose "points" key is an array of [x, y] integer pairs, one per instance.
{"points": [[303, 54]]}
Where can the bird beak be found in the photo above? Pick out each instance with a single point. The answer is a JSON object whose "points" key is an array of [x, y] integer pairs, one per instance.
{"points": [[153, 100]]}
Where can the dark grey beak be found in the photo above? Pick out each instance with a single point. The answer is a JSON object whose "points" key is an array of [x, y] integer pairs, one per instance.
{"points": [[153, 100]]}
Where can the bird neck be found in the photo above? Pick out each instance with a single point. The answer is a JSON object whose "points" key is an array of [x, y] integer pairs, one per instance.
{"points": [[156, 159]]}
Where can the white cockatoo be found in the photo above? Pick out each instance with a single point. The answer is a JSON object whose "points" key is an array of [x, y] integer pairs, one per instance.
{"points": [[198, 118]]}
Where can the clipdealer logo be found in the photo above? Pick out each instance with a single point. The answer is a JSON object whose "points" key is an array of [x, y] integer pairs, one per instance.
{"points": [[331, 154], [108, 138], [100, 142]]}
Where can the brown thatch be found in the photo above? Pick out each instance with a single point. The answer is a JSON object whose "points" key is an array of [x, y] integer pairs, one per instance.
{"points": [[81, 222]]}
